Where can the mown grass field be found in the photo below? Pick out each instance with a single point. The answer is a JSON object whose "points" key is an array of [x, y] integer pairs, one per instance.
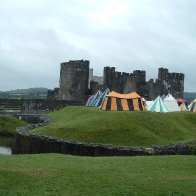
{"points": [[55, 174], [92, 125], [8, 125]]}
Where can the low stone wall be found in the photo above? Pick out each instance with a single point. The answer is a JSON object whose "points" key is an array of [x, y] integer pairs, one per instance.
{"points": [[29, 143], [186, 148], [26, 142]]}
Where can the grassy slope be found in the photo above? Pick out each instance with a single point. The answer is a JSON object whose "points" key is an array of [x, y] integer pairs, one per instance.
{"points": [[120, 128], [9, 124], [54, 174]]}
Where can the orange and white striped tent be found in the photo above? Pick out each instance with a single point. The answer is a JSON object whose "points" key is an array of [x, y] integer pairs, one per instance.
{"points": [[123, 102]]}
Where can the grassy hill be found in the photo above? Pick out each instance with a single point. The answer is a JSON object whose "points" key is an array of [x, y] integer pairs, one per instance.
{"points": [[8, 125], [55, 174], [92, 125]]}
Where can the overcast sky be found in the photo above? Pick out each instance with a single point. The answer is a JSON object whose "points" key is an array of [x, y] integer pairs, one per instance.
{"points": [[37, 35]]}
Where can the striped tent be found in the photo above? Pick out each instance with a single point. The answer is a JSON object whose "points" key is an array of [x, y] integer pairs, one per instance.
{"points": [[158, 106], [101, 98], [123, 102], [94, 99], [89, 100], [192, 106]]}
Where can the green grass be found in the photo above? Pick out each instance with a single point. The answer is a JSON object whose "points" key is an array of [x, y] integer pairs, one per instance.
{"points": [[55, 174], [92, 125], [8, 125]]}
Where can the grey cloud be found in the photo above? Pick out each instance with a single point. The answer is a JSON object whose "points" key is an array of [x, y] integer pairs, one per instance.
{"points": [[37, 35]]}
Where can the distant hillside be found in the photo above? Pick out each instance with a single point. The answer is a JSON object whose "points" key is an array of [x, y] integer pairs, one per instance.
{"points": [[30, 93], [189, 96], [29, 90]]}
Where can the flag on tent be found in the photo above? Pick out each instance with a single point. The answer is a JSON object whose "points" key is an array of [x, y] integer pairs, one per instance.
{"points": [[123, 102], [158, 106], [192, 106], [171, 103]]}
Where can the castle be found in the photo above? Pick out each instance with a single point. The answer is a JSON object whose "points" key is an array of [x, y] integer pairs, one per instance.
{"points": [[77, 82]]}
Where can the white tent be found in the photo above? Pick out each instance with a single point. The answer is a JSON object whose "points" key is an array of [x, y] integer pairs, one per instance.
{"points": [[171, 103], [158, 106], [148, 105]]}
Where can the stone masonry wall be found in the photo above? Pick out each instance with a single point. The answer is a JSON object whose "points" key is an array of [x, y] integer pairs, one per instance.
{"points": [[74, 76], [27, 142]]}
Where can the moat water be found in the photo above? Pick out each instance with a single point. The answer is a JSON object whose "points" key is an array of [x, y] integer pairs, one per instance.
{"points": [[5, 145]]}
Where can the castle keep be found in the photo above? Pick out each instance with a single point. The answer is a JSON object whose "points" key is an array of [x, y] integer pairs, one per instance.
{"points": [[77, 82], [73, 83]]}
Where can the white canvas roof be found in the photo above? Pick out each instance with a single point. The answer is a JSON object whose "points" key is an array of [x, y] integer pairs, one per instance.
{"points": [[171, 103], [148, 104]]}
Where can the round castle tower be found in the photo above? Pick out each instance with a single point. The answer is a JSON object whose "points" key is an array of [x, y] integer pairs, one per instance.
{"points": [[73, 81]]}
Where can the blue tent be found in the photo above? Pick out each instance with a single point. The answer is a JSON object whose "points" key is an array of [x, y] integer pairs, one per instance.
{"points": [[99, 101], [94, 99], [89, 100]]}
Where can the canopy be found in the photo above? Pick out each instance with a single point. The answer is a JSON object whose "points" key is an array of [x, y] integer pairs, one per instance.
{"points": [[89, 100], [148, 104], [128, 102], [192, 106], [100, 99], [132, 95], [95, 97], [158, 106], [183, 107], [180, 100], [171, 103]]}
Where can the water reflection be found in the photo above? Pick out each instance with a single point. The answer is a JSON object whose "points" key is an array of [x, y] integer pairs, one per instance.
{"points": [[5, 151], [5, 145]]}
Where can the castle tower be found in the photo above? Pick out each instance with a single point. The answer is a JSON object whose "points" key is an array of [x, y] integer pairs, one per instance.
{"points": [[163, 73], [74, 76], [167, 83]]}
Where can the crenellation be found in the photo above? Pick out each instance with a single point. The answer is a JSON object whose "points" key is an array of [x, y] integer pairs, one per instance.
{"points": [[77, 82]]}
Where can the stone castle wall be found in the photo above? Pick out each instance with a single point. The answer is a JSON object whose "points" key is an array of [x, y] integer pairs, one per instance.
{"points": [[123, 82], [74, 76], [128, 82], [77, 82]]}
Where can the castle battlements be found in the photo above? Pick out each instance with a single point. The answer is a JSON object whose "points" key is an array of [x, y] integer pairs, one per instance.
{"points": [[77, 81]]}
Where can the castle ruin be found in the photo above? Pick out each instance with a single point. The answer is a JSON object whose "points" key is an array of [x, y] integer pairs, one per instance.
{"points": [[77, 82], [73, 83]]}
